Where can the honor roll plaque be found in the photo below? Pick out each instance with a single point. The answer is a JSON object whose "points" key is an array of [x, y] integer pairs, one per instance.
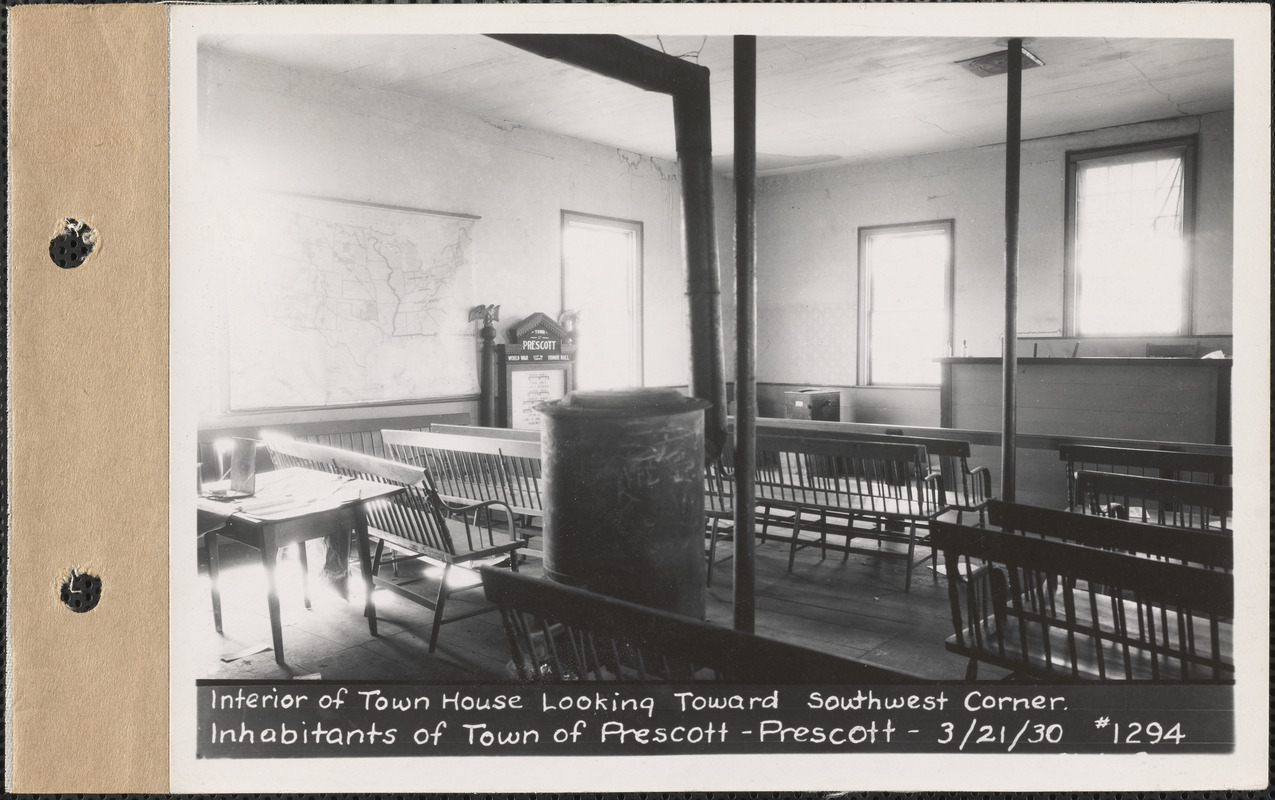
{"points": [[534, 368]]}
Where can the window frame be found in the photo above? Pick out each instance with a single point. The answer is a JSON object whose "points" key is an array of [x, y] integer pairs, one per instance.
{"points": [[636, 277], [864, 365], [1189, 146]]}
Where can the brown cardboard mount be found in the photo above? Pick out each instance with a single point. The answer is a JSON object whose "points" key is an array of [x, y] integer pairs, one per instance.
{"points": [[88, 128]]}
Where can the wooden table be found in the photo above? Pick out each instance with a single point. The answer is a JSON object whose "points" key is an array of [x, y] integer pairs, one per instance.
{"points": [[291, 506]]}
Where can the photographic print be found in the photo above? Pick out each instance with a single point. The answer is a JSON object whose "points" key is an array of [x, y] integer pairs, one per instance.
{"points": [[780, 395]]}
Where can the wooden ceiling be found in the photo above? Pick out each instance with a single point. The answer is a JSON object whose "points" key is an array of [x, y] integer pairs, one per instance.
{"points": [[822, 101]]}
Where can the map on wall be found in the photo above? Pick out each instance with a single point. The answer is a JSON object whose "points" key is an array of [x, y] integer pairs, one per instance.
{"points": [[339, 302]]}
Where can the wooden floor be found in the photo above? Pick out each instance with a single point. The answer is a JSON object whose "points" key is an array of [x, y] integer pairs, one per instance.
{"points": [[855, 608]]}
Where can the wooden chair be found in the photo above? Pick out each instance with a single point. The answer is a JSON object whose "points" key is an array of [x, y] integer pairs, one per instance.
{"points": [[418, 525], [1158, 501], [562, 633], [1075, 609]]}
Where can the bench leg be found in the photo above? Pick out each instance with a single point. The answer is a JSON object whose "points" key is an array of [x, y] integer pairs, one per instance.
{"points": [[712, 553], [823, 535], [907, 579], [304, 563], [366, 567], [796, 534], [439, 602], [971, 670]]}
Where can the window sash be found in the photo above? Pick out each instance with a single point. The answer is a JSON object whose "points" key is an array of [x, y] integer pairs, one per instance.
{"points": [[1128, 258], [899, 309], [598, 364]]}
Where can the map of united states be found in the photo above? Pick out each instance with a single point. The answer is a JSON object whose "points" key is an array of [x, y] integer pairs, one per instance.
{"points": [[363, 304]]}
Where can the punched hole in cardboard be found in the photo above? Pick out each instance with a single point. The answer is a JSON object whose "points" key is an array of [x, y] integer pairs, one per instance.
{"points": [[72, 244], [81, 591]]}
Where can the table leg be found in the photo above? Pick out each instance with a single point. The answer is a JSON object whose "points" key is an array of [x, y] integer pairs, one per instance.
{"points": [[304, 563], [214, 575], [365, 565], [269, 556]]}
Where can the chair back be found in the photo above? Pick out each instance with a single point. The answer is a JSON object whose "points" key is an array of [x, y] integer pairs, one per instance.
{"points": [[559, 633]]}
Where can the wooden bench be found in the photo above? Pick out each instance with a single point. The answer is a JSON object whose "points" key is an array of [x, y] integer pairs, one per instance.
{"points": [[417, 525], [968, 488], [1207, 468], [972, 486], [1057, 596], [360, 435], [1160, 501], [471, 469], [563, 633], [882, 491]]}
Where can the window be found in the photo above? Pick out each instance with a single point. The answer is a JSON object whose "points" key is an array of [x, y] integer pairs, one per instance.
{"points": [[1128, 227], [602, 280], [905, 290]]}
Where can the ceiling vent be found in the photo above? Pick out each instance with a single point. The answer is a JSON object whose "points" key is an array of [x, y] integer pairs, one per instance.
{"points": [[997, 63]]}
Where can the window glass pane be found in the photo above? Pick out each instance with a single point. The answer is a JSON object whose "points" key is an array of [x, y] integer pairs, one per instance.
{"points": [[600, 281], [1130, 257], [907, 315]]}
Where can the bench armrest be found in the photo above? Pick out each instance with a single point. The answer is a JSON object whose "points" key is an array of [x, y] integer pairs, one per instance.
{"points": [[979, 489], [482, 511]]}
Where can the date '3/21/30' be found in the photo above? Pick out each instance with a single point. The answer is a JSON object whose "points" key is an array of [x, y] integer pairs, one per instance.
{"points": [[1134, 733]]}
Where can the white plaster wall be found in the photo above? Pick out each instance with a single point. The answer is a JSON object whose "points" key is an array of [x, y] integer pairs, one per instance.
{"points": [[268, 128], [808, 243]]}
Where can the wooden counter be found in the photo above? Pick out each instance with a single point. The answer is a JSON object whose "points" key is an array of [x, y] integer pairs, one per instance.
{"points": [[1158, 399]]}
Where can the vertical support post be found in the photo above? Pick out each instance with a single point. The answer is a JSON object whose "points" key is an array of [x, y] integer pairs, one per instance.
{"points": [[487, 412], [638, 65], [692, 121], [487, 363], [1009, 358], [745, 327]]}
